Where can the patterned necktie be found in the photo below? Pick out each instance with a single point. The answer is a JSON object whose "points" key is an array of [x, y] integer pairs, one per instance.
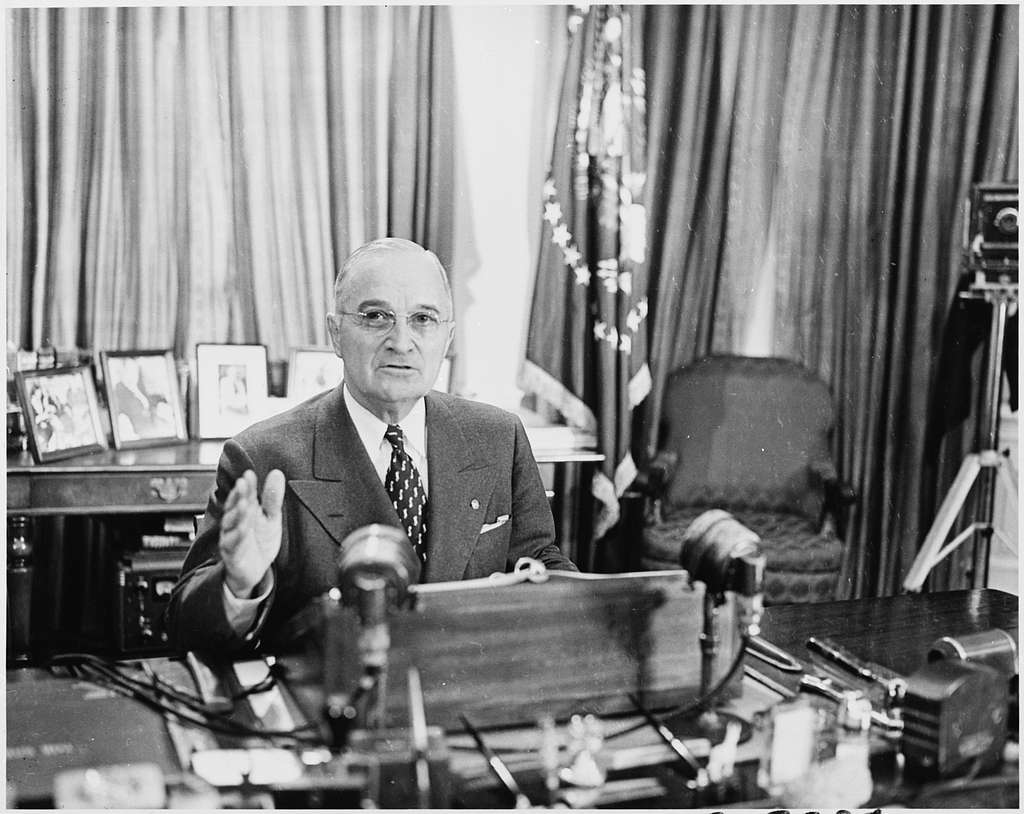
{"points": [[405, 489]]}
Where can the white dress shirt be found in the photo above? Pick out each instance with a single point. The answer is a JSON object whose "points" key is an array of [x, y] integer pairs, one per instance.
{"points": [[371, 432], [242, 612]]}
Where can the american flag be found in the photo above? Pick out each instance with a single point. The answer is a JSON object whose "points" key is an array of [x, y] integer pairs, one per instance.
{"points": [[586, 354]]}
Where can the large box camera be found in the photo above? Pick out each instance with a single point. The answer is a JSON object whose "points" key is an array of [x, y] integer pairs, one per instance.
{"points": [[991, 231]]}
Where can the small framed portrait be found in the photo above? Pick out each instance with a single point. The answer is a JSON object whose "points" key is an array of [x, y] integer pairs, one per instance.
{"points": [[231, 388], [143, 398], [62, 414], [311, 371]]}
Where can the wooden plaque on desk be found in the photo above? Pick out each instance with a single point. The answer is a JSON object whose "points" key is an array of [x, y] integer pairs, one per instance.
{"points": [[507, 655]]}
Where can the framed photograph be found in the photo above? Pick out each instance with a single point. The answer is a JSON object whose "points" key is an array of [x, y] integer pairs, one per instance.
{"points": [[311, 371], [231, 388], [143, 398], [62, 415]]}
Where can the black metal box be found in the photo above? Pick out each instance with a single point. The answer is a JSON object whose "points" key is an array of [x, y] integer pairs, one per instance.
{"points": [[144, 583]]}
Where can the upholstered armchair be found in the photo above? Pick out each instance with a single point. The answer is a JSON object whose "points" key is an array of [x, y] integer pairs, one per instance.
{"points": [[750, 436]]}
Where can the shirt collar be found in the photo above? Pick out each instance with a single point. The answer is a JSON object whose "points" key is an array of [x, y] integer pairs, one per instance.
{"points": [[371, 429]]}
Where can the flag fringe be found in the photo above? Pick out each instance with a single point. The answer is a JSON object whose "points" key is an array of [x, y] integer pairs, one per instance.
{"points": [[625, 474], [608, 493], [640, 385], [608, 510], [534, 379]]}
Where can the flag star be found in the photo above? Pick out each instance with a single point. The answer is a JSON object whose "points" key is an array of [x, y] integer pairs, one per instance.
{"points": [[571, 255], [582, 275], [599, 330], [560, 235], [552, 212], [633, 321], [549, 188]]}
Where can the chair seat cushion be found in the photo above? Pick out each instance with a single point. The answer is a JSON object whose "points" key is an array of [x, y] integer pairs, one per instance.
{"points": [[803, 560]]}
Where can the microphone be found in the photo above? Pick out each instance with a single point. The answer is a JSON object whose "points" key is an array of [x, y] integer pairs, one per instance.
{"points": [[725, 555], [376, 566]]}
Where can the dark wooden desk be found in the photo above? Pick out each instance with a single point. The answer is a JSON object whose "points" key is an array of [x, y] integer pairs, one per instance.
{"points": [[894, 631], [177, 479], [897, 632], [167, 479]]}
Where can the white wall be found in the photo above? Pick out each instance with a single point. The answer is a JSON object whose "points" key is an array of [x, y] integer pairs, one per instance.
{"points": [[502, 75]]}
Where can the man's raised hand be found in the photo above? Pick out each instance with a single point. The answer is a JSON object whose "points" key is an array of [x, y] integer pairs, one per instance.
{"points": [[250, 531]]}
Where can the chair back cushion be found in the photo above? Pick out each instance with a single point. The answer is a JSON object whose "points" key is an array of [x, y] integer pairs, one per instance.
{"points": [[748, 432]]}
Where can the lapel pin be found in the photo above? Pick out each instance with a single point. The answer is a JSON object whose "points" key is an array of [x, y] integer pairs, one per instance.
{"points": [[474, 503]]}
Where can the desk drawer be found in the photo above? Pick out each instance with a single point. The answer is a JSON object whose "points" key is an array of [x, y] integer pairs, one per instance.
{"points": [[110, 492]]}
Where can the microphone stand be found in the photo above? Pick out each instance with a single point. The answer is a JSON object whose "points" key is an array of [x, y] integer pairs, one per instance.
{"points": [[374, 643], [745, 579]]}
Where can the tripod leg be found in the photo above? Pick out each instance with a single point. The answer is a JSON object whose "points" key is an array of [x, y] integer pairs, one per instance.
{"points": [[1009, 475], [1011, 544], [952, 504]]}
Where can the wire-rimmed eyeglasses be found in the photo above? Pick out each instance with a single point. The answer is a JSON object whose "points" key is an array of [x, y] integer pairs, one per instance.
{"points": [[381, 321]]}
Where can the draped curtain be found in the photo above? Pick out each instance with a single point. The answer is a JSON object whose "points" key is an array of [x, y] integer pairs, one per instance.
{"points": [[184, 175], [178, 175], [808, 167]]}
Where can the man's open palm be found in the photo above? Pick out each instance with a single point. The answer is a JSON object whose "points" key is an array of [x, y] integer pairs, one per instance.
{"points": [[250, 531]]}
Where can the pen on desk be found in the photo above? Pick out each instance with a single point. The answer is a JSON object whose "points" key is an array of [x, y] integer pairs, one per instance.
{"points": [[770, 683], [894, 684], [497, 765], [840, 656], [673, 743]]}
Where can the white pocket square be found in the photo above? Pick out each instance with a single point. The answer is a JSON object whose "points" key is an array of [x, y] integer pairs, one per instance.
{"points": [[501, 520]]}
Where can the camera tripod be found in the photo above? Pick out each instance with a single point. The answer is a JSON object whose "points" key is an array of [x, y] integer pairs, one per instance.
{"points": [[985, 466]]}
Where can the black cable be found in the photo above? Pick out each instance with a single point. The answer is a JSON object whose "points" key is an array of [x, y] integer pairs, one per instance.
{"points": [[698, 705], [115, 674], [114, 677], [778, 658]]}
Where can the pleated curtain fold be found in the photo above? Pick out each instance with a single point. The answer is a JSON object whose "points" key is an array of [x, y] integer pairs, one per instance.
{"points": [[178, 175]]}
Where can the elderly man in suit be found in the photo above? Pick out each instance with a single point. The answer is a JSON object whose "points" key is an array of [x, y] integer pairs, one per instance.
{"points": [[457, 476]]}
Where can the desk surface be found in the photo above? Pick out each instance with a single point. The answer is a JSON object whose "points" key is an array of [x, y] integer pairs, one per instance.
{"points": [[176, 477], [894, 631]]}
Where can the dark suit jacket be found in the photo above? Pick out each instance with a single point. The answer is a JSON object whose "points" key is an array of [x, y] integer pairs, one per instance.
{"points": [[480, 468]]}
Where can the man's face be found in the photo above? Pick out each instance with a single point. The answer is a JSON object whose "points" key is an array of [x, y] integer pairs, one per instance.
{"points": [[388, 370]]}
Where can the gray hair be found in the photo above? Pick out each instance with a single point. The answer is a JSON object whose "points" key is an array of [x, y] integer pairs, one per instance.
{"points": [[384, 245]]}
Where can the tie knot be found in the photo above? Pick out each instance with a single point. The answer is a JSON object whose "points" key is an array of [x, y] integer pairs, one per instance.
{"points": [[394, 436]]}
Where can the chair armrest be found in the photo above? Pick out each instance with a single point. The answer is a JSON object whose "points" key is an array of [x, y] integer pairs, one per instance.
{"points": [[839, 495], [654, 477], [641, 503]]}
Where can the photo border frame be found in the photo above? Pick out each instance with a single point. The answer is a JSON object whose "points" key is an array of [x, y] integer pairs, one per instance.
{"points": [[210, 422], [180, 434], [24, 379], [293, 379]]}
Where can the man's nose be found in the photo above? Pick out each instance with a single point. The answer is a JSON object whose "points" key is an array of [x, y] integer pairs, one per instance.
{"points": [[401, 337]]}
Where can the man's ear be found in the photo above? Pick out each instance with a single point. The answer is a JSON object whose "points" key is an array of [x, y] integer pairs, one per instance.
{"points": [[334, 332]]}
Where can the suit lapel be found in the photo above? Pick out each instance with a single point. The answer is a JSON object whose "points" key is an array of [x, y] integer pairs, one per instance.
{"points": [[460, 485], [347, 493]]}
